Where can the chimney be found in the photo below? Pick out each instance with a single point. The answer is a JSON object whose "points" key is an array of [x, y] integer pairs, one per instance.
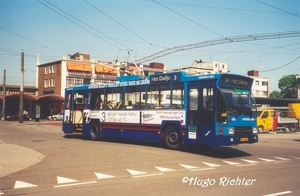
{"points": [[253, 73]]}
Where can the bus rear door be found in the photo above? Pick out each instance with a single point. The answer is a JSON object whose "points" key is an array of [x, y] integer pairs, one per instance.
{"points": [[67, 122], [73, 114]]}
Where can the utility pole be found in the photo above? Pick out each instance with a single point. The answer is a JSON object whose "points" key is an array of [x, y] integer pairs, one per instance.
{"points": [[4, 94], [21, 89]]}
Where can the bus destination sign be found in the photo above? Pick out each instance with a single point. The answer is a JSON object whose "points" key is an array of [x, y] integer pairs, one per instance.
{"points": [[165, 78], [236, 81]]}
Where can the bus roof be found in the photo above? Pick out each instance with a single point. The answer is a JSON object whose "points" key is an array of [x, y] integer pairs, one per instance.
{"points": [[223, 79]]}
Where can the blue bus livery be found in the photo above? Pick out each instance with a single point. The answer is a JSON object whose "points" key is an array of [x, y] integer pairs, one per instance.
{"points": [[168, 108]]}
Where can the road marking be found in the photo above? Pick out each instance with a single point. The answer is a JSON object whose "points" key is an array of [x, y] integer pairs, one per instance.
{"points": [[249, 161], [189, 166], [268, 160], [61, 180], [280, 193], [202, 169], [103, 176], [134, 172], [74, 184], [163, 169], [246, 165], [147, 175], [20, 184], [231, 163], [281, 158], [211, 164]]}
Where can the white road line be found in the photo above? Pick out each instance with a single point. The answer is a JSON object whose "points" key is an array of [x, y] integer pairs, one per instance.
{"points": [[246, 165], [163, 169], [281, 158], [203, 169], [231, 163], [103, 176], [61, 180], [280, 193], [211, 164], [267, 160], [20, 184], [189, 166], [147, 175], [134, 172], [74, 184], [249, 161]]}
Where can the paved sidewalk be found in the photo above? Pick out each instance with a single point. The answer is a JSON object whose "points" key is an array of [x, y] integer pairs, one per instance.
{"points": [[14, 158]]}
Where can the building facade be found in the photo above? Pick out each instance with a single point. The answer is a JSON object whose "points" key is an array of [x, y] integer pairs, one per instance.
{"points": [[201, 67], [260, 86]]}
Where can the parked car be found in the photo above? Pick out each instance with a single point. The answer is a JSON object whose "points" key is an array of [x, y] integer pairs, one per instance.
{"points": [[12, 117], [58, 116], [16, 117]]}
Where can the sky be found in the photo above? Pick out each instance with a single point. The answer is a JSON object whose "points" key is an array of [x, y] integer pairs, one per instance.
{"points": [[127, 30]]}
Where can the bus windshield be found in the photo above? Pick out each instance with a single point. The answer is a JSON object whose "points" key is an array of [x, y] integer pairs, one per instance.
{"points": [[239, 101]]}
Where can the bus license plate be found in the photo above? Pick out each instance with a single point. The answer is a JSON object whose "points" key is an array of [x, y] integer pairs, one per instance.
{"points": [[244, 139]]}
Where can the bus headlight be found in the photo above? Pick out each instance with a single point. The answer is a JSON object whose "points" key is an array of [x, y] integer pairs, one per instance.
{"points": [[231, 131], [254, 130]]}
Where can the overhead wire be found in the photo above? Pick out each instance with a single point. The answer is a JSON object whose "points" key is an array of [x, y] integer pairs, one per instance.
{"points": [[210, 30], [278, 8], [76, 22], [219, 41], [282, 65], [17, 34], [117, 22]]}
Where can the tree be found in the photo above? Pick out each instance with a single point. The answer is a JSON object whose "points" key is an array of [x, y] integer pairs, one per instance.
{"points": [[287, 85], [275, 94]]}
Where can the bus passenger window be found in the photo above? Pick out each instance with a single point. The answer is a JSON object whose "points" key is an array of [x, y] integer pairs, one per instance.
{"points": [[118, 105], [109, 105]]}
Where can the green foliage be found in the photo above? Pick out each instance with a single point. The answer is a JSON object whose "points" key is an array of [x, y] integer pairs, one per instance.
{"points": [[275, 94], [287, 85]]}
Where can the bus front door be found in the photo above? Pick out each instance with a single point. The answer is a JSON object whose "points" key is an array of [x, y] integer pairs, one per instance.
{"points": [[201, 113]]}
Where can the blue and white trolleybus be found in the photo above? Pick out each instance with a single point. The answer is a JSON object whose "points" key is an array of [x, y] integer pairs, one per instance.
{"points": [[169, 108]]}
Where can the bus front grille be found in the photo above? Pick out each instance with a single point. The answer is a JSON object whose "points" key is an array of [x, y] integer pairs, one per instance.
{"points": [[243, 130]]}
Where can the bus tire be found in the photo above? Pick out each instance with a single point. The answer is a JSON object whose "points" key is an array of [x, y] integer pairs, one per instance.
{"points": [[171, 138], [94, 131]]}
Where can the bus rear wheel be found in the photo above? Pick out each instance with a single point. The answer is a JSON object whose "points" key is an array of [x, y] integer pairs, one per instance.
{"points": [[94, 131], [172, 138]]}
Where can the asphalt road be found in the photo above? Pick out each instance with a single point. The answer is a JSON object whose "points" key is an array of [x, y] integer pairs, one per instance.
{"points": [[37, 159]]}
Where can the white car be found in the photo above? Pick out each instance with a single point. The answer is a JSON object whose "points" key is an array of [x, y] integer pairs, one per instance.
{"points": [[56, 117]]}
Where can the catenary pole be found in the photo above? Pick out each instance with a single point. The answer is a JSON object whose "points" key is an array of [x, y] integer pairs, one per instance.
{"points": [[21, 89], [4, 94]]}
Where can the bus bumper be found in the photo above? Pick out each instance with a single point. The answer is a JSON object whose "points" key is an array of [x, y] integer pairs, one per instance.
{"points": [[234, 140]]}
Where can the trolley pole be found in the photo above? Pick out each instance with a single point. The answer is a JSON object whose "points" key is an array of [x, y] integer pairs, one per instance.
{"points": [[21, 89], [4, 94]]}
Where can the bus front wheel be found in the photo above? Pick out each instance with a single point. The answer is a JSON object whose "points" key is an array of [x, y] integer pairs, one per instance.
{"points": [[171, 137], [94, 131]]}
